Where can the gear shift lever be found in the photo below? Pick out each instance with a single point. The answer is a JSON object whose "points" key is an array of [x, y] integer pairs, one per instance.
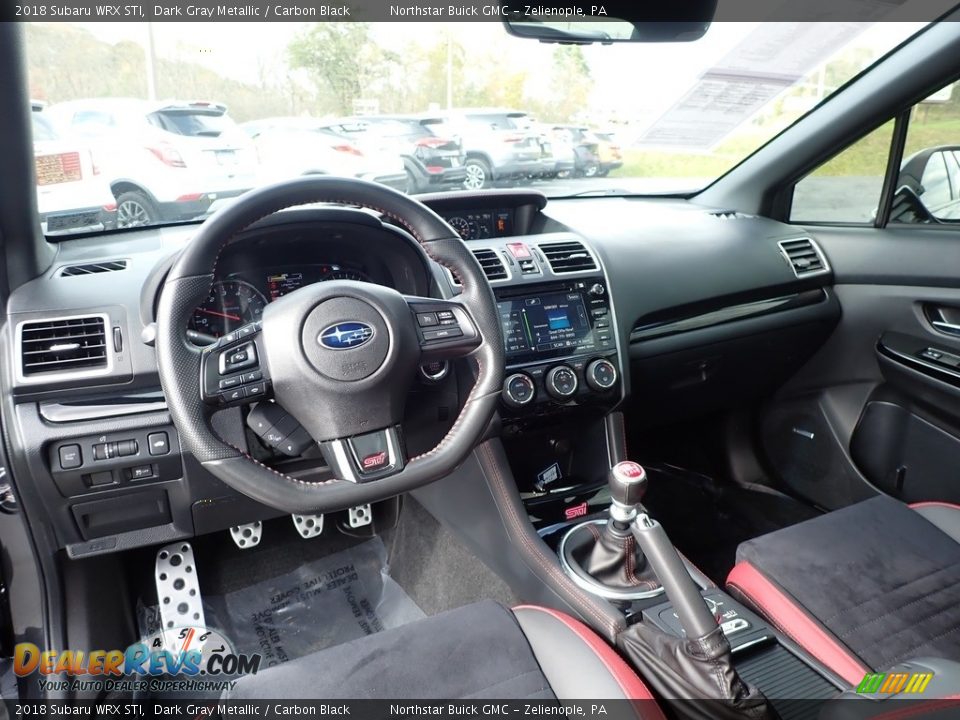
{"points": [[603, 556], [628, 485]]}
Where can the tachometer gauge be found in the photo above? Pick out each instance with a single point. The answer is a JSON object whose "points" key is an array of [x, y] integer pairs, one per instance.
{"points": [[230, 304], [462, 226], [342, 273]]}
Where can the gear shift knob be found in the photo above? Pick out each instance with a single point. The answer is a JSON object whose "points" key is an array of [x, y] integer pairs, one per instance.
{"points": [[628, 484]]}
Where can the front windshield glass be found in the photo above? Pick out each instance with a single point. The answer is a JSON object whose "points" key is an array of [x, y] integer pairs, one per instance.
{"points": [[173, 120]]}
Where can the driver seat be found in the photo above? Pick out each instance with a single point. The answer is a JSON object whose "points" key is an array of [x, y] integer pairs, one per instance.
{"points": [[480, 651]]}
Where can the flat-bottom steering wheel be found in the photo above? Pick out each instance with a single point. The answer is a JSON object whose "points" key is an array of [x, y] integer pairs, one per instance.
{"points": [[339, 356]]}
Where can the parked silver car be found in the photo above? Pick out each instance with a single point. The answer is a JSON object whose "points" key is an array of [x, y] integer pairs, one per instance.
{"points": [[499, 145]]}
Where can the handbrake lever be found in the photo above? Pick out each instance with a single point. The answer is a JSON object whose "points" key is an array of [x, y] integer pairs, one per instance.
{"points": [[695, 618]]}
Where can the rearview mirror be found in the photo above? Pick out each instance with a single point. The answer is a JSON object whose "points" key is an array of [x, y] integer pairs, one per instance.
{"points": [[609, 22]]}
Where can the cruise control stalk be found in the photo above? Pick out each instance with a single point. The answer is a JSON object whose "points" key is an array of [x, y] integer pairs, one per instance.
{"points": [[695, 618]]}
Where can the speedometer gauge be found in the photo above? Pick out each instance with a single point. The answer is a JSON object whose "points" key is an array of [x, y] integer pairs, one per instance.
{"points": [[230, 304]]}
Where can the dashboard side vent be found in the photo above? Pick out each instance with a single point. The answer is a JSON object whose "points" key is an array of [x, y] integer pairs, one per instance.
{"points": [[568, 257], [729, 215], [804, 256], [64, 345], [492, 263], [93, 268]]}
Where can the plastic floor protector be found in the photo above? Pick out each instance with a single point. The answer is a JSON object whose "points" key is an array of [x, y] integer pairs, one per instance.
{"points": [[323, 603]]}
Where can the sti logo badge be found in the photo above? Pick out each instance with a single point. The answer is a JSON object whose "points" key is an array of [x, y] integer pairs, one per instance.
{"points": [[345, 335], [575, 511], [377, 460]]}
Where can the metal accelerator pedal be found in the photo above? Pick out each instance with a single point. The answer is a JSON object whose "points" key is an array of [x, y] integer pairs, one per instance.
{"points": [[309, 526], [359, 516], [248, 535], [178, 589]]}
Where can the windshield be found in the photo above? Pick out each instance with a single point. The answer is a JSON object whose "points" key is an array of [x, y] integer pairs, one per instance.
{"points": [[181, 118]]}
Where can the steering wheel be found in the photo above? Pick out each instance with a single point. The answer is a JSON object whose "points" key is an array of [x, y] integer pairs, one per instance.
{"points": [[338, 356]]}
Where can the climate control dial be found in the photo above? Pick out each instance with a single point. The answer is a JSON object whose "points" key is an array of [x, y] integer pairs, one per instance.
{"points": [[601, 375], [562, 382], [519, 390]]}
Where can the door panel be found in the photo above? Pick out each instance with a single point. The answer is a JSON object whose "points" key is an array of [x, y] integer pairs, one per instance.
{"points": [[872, 411]]}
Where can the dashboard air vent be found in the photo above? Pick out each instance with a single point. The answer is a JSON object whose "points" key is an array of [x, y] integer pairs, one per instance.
{"points": [[492, 263], [93, 268], [804, 256], [568, 257], [64, 345]]}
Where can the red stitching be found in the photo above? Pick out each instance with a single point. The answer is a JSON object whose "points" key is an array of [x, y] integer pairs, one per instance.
{"points": [[586, 601]]}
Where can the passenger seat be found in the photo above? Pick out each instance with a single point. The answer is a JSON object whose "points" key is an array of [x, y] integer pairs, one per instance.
{"points": [[861, 589]]}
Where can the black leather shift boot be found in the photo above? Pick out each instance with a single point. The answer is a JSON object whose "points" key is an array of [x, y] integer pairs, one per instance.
{"points": [[699, 671], [593, 551]]}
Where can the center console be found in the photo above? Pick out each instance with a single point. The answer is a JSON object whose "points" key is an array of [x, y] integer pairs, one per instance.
{"points": [[560, 340]]}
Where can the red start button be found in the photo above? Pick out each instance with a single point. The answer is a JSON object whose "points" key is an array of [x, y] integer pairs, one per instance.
{"points": [[628, 469], [519, 250]]}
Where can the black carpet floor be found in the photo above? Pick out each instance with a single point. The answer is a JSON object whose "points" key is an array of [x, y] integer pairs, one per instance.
{"points": [[707, 519]]}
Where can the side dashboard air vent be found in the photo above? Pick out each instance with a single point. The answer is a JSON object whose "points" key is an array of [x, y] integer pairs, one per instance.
{"points": [[492, 263], [804, 256], [729, 215], [72, 345], [93, 268], [568, 257]]}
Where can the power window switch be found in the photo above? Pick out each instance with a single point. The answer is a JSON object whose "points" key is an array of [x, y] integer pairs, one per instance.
{"points": [[70, 457]]}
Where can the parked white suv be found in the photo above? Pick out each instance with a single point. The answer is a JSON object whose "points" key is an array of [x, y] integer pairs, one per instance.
{"points": [[72, 193], [166, 161]]}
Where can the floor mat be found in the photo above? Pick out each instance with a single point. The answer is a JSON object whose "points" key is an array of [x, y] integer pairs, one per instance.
{"points": [[435, 568], [319, 604], [707, 519]]}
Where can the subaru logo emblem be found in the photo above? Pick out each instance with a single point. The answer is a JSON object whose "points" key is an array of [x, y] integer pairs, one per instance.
{"points": [[345, 335]]}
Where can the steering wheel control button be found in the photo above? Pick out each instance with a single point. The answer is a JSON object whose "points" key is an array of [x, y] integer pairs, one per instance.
{"points": [[519, 390], [442, 333], [427, 319], [238, 358], [601, 375], [562, 382], [233, 395], [70, 457], [251, 376], [229, 382], [254, 390]]}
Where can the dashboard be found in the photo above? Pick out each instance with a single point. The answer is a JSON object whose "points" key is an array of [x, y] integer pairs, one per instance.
{"points": [[601, 301]]}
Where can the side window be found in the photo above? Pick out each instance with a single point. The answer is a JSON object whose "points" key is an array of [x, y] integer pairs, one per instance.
{"points": [[928, 186], [846, 188]]}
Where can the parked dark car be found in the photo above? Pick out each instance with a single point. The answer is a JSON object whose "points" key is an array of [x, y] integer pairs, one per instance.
{"points": [[586, 148]]}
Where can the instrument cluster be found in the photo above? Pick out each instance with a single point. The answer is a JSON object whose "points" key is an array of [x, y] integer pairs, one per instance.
{"points": [[240, 298]]}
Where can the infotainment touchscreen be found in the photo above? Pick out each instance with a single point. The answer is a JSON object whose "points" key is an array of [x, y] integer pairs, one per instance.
{"points": [[545, 326]]}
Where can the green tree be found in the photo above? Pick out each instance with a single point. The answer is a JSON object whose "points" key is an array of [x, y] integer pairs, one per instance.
{"points": [[344, 62], [570, 83]]}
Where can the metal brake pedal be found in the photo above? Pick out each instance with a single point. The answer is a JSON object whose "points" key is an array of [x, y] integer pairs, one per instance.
{"points": [[359, 516], [309, 526], [178, 589], [247, 536]]}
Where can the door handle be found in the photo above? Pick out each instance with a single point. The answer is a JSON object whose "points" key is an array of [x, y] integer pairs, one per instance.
{"points": [[946, 327]]}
